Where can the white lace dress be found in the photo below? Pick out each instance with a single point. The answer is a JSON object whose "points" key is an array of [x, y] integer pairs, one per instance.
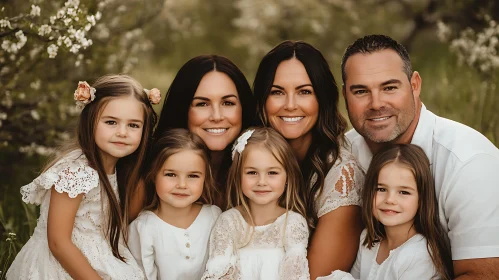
{"points": [[275, 251], [73, 176], [342, 185]]}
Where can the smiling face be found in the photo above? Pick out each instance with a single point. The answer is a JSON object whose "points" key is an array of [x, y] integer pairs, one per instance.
{"points": [[396, 200], [215, 113], [263, 178], [292, 107], [381, 101], [119, 129], [180, 181]]}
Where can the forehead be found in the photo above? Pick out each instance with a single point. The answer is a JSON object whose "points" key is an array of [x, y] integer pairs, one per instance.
{"points": [[379, 66], [259, 156], [215, 85], [127, 107], [185, 159], [293, 71], [396, 174]]}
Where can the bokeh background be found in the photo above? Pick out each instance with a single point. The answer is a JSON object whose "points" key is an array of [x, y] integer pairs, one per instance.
{"points": [[48, 46]]}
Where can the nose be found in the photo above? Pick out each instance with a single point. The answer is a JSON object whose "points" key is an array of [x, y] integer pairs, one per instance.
{"points": [[376, 100], [216, 114], [290, 102], [121, 130], [262, 180], [181, 184], [391, 198]]}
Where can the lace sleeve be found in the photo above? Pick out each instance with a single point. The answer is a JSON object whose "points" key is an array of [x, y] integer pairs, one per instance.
{"points": [[71, 175], [223, 262], [342, 186], [294, 265]]}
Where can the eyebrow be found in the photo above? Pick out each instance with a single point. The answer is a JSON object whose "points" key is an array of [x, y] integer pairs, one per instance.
{"points": [[389, 82], [402, 187], [173, 170], [207, 99], [114, 118], [272, 167], [298, 87]]}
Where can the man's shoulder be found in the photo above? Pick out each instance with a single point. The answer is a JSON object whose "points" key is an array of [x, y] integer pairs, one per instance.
{"points": [[461, 140]]}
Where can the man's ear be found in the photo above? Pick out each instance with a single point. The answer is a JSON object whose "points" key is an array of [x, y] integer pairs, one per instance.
{"points": [[416, 83]]}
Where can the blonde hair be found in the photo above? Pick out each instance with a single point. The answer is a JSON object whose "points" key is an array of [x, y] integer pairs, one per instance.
{"points": [[269, 139]]}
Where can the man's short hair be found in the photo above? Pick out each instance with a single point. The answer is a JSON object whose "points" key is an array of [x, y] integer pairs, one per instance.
{"points": [[374, 43]]}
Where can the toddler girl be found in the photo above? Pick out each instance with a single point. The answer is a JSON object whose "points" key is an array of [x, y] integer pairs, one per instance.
{"points": [[265, 235], [170, 238]]}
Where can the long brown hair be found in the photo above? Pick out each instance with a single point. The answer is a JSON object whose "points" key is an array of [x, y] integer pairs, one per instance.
{"points": [[426, 221], [327, 133], [269, 139], [171, 142], [128, 168]]}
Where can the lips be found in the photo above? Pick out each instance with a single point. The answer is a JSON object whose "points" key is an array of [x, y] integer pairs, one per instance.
{"points": [[119, 143], [378, 119], [215, 130], [180, 194], [389, 211], [292, 119], [262, 192]]}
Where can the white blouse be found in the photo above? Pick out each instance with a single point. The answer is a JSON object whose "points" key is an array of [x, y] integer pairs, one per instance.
{"points": [[168, 252], [410, 260], [274, 251], [342, 185]]}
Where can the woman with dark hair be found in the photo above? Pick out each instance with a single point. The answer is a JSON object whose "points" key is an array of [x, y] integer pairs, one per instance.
{"points": [[297, 95], [211, 97]]}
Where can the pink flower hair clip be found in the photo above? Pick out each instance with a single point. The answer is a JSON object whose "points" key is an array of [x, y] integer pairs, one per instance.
{"points": [[84, 94], [154, 95]]}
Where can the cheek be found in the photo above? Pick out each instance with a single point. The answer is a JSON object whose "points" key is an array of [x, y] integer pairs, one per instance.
{"points": [[196, 117], [272, 106]]}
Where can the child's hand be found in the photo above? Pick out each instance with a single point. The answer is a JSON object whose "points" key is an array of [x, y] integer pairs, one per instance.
{"points": [[337, 275]]}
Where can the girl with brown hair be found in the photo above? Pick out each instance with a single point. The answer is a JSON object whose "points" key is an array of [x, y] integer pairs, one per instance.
{"points": [[404, 238], [85, 191], [264, 235], [169, 239]]}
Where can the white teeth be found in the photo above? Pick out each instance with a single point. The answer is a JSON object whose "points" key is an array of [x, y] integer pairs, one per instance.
{"points": [[216, 130], [293, 119], [380, 119]]}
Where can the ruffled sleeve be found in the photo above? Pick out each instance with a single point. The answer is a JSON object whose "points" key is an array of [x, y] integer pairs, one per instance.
{"points": [[71, 175], [342, 186], [223, 261], [294, 265]]}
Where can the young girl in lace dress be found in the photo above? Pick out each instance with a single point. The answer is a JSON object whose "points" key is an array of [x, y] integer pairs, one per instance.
{"points": [[403, 238], [84, 192], [265, 235], [170, 238]]}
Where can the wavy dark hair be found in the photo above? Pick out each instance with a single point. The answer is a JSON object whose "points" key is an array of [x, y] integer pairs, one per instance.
{"points": [[327, 133], [128, 168], [426, 221], [173, 141], [181, 92]]}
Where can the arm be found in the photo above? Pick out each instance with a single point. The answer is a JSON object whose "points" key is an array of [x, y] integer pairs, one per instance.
{"points": [[137, 201], [486, 268], [140, 243], [335, 241], [294, 265], [472, 212], [61, 218]]}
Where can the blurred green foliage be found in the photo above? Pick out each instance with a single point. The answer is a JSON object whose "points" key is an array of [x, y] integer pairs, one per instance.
{"points": [[151, 40]]}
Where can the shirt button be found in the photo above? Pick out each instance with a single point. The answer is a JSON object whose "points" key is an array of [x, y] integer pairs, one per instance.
{"points": [[187, 257], [187, 245]]}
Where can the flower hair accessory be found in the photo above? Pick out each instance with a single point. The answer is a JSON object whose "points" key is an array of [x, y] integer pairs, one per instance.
{"points": [[84, 94], [241, 142], [154, 95]]}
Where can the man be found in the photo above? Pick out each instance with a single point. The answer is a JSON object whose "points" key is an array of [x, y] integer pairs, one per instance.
{"points": [[382, 95]]}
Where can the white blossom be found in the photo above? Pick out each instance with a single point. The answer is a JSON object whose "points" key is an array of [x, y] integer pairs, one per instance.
{"points": [[44, 30], [35, 11], [5, 23], [35, 115], [52, 50]]}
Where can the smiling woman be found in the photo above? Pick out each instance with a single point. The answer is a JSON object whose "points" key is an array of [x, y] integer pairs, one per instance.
{"points": [[211, 97], [297, 95]]}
